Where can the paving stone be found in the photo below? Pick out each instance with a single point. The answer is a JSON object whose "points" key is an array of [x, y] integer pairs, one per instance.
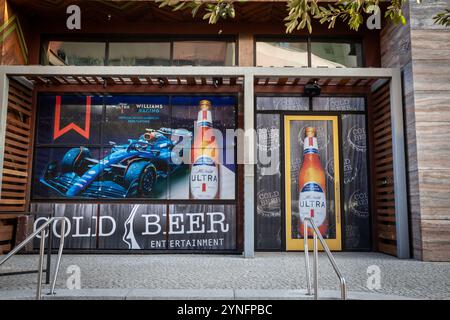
{"points": [[267, 271]]}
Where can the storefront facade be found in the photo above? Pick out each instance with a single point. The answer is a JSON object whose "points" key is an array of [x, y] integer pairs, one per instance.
{"points": [[93, 118]]}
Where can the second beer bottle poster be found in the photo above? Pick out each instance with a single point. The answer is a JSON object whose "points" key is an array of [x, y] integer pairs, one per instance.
{"points": [[312, 178]]}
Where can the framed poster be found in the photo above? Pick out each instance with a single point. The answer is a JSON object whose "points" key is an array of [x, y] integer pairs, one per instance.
{"points": [[123, 146], [312, 182]]}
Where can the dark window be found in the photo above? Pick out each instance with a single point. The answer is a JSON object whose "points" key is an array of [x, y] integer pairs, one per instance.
{"points": [[338, 104], [204, 53], [139, 54], [143, 53], [60, 53], [268, 183], [282, 103], [356, 190]]}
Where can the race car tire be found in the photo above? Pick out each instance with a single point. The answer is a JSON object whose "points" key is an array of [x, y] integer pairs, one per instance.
{"points": [[74, 159], [142, 173]]}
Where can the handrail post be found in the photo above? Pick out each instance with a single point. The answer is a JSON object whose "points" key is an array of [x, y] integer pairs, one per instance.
{"points": [[49, 254], [308, 270], [60, 249], [40, 265], [318, 235], [41, 230], [343, 289], [316, 267]]}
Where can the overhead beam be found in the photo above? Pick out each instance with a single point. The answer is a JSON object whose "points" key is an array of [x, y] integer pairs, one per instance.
{"points": [[108, 71], [140, 88]]}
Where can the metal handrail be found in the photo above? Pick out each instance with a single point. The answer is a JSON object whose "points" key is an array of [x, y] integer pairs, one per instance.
{"points": [[41, 231], [317, 234]]}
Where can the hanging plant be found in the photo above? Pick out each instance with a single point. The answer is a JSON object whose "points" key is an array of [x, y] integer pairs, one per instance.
{"points": [[215, 10], [302, 12], [443, 18]]}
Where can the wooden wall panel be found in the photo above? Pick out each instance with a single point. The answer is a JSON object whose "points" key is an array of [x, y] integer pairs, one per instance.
{"points": [[436, 237], [7, 232], [383, 174], [431, 77], [16, 165], [17, 149]]}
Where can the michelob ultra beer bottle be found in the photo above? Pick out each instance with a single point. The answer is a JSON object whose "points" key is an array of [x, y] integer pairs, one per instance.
{"points": [[204, 180], [311, 186]]}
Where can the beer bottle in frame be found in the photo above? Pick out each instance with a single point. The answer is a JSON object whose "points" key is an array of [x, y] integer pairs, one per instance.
{"points": [[204, 179], [311, 186]]}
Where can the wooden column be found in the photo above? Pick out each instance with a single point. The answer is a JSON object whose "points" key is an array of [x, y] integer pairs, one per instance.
{"points": [[246, 50]]}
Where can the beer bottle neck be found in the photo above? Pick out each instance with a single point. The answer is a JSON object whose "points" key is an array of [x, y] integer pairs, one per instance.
{"points": [[310, 146], [204, 119]]}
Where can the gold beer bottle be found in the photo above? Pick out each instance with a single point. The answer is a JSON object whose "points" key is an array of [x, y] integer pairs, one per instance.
{"points": [[311, 186], [204, 179]]}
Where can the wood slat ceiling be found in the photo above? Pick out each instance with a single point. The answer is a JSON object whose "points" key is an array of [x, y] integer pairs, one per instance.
{"points": [[133, 80], [195, 81]]}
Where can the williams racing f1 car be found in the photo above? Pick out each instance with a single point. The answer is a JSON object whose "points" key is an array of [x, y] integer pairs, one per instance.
{"points": [[128, 171]]}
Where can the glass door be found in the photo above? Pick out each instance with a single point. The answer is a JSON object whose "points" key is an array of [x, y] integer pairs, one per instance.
{"points": [[312, 185]]}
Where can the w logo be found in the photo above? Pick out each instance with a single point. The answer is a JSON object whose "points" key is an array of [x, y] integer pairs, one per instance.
{"points": [[58, 132]]}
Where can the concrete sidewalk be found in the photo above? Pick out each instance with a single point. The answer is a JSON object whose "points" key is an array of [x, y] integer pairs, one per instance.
{"points": [[190, 294], [268, 275]]}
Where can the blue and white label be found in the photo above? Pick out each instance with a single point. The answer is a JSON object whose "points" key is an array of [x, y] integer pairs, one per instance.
{"points": [[312, 203], [310, 146]]}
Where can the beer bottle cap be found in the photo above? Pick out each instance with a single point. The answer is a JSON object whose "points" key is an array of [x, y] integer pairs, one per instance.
{"points": [[205, 104], [310, 132]]}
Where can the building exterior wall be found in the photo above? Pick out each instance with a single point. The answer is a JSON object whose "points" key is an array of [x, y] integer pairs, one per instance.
{"points": [[430, 52], [422, 50]]}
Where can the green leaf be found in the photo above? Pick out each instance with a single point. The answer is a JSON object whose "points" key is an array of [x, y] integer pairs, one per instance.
{"points": [[195, 10], [403, 20], [179, 6]]}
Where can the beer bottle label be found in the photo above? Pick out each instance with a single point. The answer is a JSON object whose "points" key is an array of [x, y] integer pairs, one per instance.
{"points": [[204, 178], [310, 146], [204, 119], [312, 203]]}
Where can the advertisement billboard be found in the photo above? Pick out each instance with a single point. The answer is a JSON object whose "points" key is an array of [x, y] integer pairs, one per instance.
{"points": [[134, 146]]}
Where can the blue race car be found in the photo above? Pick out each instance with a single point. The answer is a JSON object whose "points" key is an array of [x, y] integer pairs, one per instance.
{"points": [[128, 171]]}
